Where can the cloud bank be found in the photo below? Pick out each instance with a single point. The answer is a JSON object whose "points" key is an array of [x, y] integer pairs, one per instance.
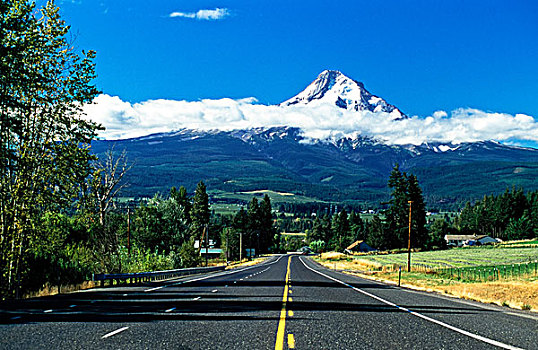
{"points": [[125, 120], [207, 15]]}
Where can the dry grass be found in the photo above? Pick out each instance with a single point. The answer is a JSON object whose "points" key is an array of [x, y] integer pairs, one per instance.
{"points": [[515, 294], [339, 261], [53, 290], [246, 262]]}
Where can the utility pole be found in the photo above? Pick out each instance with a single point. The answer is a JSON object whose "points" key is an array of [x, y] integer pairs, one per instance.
{"points": [[206, 245], [240, 246], [409, 241], [129, 231]]}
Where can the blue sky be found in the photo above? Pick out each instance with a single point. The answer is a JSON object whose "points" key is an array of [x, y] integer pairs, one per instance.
{"points": [[421, 56]]}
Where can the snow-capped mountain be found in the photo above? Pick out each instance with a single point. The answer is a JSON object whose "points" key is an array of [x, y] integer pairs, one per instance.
{"points": [[334, 168], [335, 88]]}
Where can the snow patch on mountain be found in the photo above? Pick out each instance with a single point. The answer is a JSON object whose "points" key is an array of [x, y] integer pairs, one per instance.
{"points": [[334, 88]]}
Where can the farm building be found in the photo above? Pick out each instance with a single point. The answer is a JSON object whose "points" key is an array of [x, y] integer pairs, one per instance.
{"points": [[359, 246], [462, 240]]}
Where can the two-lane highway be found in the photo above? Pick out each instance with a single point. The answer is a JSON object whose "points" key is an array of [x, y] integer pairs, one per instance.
{"points": [[285, 302]]}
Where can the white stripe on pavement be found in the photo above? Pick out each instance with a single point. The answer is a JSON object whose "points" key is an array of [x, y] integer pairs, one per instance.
{"points": [[461, 331], [114, 332], [212, 276]]}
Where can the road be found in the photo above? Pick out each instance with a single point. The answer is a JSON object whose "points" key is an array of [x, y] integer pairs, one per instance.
{"points": [[255, 308]]}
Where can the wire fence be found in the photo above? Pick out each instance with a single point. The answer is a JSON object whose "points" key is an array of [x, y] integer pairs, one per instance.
{"points": [[491, 272]]}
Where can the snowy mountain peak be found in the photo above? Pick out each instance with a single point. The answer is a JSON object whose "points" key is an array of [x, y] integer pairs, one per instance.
{"points": [[335, 88]]}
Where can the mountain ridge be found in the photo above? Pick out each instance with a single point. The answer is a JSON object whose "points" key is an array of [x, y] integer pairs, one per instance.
{"points": [[333, 87], [342, 170]]}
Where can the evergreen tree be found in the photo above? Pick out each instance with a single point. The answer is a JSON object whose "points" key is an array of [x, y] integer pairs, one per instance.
{"points": [[436, 234], [404, 189], [357, 227], [520, 228], [267, 231], [419, 233], [341, 231], [397, 215], [182, 198], [254, 225], [200, 211], [376, 234]]}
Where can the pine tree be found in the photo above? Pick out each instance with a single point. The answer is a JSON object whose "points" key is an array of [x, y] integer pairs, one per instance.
{"points": [[341, 231], [376, 234], [397, 215], [267, 231], [200, 211], [404, 189], [356, 223], [182, 198], [419, 233]]}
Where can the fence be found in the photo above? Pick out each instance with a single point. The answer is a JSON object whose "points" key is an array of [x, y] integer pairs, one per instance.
{"points": [[490, 273], [138, 277]]}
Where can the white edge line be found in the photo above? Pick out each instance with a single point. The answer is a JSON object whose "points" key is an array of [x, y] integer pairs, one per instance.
{"points": [[114, 332], [464, 332], [211, 276]]}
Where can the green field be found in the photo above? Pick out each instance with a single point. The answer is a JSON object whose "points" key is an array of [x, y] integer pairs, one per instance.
{"points": [[276, 197], [459, 257]]}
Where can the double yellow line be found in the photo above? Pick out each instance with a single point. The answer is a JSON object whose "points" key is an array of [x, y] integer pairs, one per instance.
{"points": [[282, 323]]}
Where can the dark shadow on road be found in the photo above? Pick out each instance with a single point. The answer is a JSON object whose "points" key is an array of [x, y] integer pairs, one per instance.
{"points": [[137, 306]]}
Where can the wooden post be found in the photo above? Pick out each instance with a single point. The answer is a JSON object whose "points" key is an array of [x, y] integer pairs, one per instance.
{"points": [[206, 245], [409, 240], [240, 246], [128, 231]]}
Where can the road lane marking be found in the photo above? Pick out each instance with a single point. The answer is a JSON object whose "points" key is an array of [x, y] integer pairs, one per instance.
{"points": [[291, 341], [47, 311], [16, 317], [214, 290], [290, 313], [170, 310], [197, 298], [279, 345], [414, 313], [72, 306], [114, 332], [216, 275]]}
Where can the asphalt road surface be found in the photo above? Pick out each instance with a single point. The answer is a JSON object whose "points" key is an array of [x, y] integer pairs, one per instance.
{"points": [[285, 302]]}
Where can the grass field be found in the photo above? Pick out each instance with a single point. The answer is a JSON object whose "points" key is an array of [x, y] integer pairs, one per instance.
{"points": [[276, 197], [514, 283], [458, 257]]}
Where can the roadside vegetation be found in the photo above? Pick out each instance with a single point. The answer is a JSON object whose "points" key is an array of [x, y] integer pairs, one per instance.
{"points": [[501, 274]]}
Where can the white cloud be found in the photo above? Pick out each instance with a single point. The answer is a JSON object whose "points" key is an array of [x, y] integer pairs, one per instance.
{"points": [[208, 15], [124, 120]]}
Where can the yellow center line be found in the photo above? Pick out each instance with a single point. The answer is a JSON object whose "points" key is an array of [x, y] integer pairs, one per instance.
{"points": [[279, 345], [291, 341]]}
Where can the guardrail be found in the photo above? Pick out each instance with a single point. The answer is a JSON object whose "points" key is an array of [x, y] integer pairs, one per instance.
{"points": [[138, 277]]}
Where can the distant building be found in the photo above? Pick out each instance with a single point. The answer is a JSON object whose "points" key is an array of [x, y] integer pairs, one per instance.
{"points": [[359, 246], [211, 252], [469, 240]]}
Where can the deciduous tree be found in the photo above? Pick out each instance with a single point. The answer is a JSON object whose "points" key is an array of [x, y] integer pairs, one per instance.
{"points": [[44, 138]]}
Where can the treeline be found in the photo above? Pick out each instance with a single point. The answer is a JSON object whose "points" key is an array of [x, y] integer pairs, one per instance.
{"points": [[511, 215], [387, 231]]}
